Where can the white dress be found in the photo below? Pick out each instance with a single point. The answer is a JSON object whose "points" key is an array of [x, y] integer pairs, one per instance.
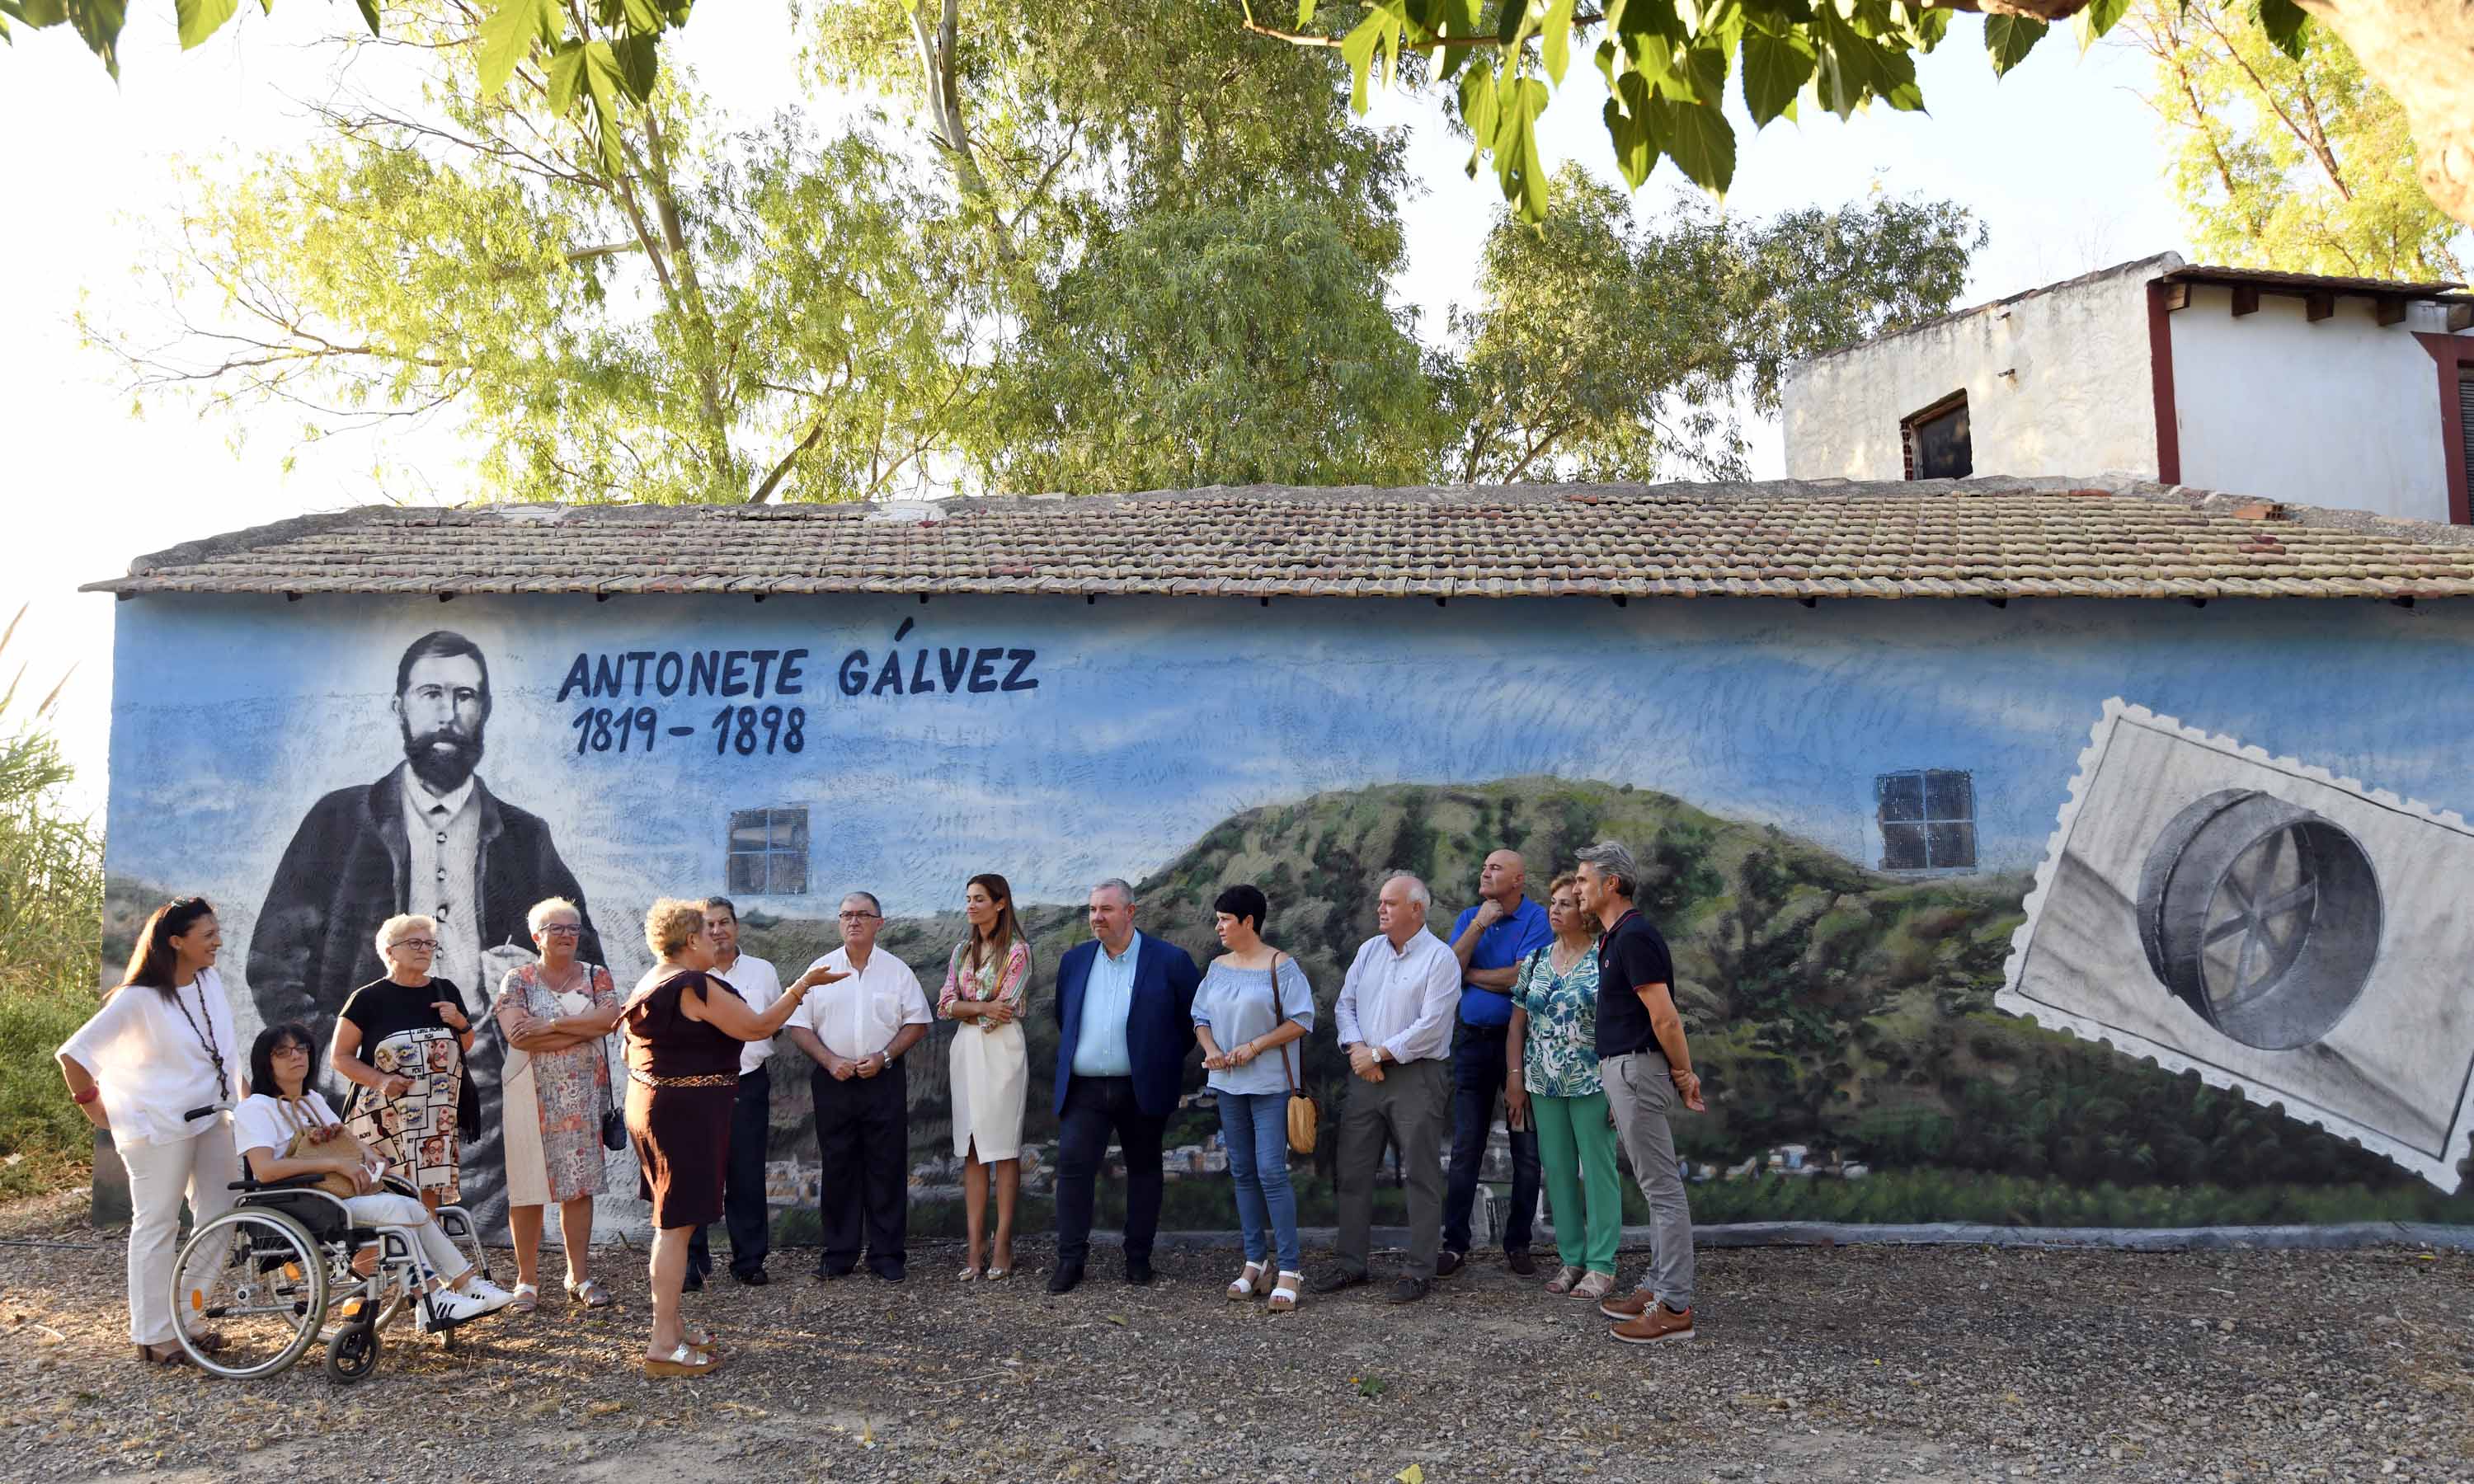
{"points": [[991, 1069]]}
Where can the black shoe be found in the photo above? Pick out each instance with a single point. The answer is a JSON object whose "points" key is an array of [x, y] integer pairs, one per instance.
{"points": [[753, 1278], [1451, 1262], [1062, 1277], [890, 1275], [1521, 1262], [1138, 1272], [1334, 1279], [1408, 1291], [693, 1283], [826, 1275]]}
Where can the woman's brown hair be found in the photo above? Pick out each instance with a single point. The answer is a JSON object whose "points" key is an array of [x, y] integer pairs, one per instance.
{"points": [[999, 943], [154, 961]]}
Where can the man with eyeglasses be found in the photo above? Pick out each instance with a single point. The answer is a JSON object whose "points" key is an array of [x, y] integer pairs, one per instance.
{"points": [[744, 1215], [855, 1031]]}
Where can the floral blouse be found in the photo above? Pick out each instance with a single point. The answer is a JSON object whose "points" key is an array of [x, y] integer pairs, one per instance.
{"points": [[985, 982], [1560, 1058]]}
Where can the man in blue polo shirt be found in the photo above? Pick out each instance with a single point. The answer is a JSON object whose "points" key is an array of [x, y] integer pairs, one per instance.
{"points": [[1490, 940]]}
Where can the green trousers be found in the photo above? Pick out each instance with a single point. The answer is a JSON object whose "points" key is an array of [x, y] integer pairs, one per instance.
{"points": [[1576, 1146]]}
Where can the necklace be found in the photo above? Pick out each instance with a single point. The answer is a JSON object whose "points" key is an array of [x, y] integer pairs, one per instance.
{"points": [[205, 1034], [1559, 962]]}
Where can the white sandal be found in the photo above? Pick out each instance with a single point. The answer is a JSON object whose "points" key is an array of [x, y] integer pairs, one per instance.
{"points": [[1284, 1293], [1249, 1282]]}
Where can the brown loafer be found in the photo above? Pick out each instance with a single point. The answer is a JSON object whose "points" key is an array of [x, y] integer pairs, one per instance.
{"points": [[1660, 1322], [1631, 1305], [1521, 1262], [171, 1355]]}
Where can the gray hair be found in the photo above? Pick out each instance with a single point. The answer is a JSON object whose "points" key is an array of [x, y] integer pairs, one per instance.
{"points": [[1616, 865], [400, 926], [1418, 893], [544, 908], [873, 905], [1118, 885]]}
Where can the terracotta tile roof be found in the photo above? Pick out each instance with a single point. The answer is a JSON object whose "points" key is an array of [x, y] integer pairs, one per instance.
{"points": [[1826, 538]]}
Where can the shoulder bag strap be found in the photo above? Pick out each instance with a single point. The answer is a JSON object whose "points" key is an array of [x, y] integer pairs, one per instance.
{"points": [[1286, 1047]]}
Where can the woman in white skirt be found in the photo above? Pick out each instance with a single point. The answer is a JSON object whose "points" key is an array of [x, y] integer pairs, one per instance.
{"points": [[987, 981]]}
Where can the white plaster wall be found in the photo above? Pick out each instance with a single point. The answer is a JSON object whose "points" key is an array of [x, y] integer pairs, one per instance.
{"points": [[2077, 401], [2342, 413]]}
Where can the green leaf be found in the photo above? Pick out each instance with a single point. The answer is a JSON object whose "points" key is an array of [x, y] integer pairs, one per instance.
{"points": [[369, 15], [2284, 22], [602, 77], [1479, 106], [1776, 68], [199, 19], [1305, 11], [2009, 38], [566, 75], [1381, 26], [1700, 141], [508, 33], [643, 17], [2100, 18], [1632, 124], [640, 64], [1555, 40], [1930, 28], [1516, 163]]}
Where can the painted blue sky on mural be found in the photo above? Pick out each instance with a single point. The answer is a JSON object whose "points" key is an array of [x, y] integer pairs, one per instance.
{"points": [[1059, 742]]}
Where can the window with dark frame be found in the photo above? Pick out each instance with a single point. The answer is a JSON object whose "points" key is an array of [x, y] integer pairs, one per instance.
{"points": [[1936, 441], [1928, 818], [768, 852]]}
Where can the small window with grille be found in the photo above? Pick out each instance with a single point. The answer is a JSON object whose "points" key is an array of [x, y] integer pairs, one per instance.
{"points": [[1928, 818], [768, 852], [1936, 440]]}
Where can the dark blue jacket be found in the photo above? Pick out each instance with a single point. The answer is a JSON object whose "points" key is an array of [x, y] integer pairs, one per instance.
{"points": [[1159, 1027]]}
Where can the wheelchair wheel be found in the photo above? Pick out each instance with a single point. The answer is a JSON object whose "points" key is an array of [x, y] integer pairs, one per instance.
{"points": [[256, 1279], [353, 1353]]}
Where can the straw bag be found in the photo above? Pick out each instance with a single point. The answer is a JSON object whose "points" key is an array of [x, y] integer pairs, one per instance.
{"points": [[1303, 1116], [304, 1145]]}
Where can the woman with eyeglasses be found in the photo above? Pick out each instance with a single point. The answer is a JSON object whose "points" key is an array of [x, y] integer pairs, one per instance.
{"points": [[555, 1015], [401, 1042], [159, 1066]]}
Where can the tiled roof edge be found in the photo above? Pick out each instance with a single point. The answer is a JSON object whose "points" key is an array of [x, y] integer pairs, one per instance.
{"points": [[273, 534]]}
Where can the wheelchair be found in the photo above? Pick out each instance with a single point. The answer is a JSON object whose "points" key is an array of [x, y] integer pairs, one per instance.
{"points": [[268, 1275]]}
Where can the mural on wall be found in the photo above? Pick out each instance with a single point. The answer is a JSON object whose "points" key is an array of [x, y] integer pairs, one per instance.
{"points": [[1842, 820], [2267, 925]]}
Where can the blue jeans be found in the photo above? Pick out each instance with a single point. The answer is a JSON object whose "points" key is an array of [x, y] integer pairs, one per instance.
{"points": [[1255, 1127], [1478, 1071]]}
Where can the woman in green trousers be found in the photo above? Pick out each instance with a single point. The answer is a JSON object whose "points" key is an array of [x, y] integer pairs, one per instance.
{"points": [[1553, 1082]]}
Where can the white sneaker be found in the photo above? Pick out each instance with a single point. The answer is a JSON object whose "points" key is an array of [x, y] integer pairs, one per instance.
{"points": [[482, 1287], [451, 1308]]}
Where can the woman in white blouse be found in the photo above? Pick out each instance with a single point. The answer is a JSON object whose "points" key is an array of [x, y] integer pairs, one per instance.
{"points": [[157, 1066]]}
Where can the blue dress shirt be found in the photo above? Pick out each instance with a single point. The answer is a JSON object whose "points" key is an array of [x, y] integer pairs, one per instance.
{"points": [[1107, 1000]]}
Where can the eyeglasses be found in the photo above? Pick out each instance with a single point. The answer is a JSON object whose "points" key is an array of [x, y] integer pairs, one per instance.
{"points": [[861, 916], [292, 1048], [429, 945], [563, 931]]}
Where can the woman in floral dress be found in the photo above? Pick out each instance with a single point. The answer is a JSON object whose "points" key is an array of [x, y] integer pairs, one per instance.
{"points": [[1553, 1082], [554, 1016], [985, 983]]}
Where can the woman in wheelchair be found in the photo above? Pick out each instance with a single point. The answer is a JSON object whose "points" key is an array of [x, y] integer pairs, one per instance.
{"points": [[284, 1128]]}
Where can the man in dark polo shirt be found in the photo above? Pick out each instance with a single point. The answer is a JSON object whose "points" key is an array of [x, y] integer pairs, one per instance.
{"points": [[1490, 939], [1648, 1070]]}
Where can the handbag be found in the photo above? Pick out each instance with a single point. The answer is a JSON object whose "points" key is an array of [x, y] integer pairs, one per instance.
{"points": [[304, 1145], [614, 1118], [1303, 1116]]}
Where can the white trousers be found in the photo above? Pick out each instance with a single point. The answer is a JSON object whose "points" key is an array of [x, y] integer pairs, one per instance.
{"points": [[430, 1245], [201, 1168]]}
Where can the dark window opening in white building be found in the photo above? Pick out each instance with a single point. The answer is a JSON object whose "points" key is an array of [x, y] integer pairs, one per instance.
{"points": [[1928, 818], [768, 851], [1937, 440]]}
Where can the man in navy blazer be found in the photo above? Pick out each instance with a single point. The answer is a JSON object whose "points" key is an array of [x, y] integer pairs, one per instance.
{"points": [[1124, 1009]]}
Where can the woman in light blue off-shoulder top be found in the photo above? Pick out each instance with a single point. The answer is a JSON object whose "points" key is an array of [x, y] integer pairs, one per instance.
{"points": [[1254, 1002]]}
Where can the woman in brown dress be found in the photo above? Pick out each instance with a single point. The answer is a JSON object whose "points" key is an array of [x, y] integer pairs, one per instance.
{"points": [[684, 1030]]}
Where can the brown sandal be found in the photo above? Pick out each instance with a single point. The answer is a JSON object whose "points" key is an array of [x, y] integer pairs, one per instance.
{"points": [[171, 1355]]}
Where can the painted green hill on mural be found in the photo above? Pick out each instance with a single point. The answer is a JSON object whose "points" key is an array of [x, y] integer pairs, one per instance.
{"points": [[1831, 1007]]}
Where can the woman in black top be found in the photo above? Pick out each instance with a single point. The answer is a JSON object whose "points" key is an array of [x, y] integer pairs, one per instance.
{"points": [[401, 1042]]}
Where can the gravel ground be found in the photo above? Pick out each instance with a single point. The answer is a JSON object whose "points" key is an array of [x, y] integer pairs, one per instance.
{"points": [[1853, 1363]]}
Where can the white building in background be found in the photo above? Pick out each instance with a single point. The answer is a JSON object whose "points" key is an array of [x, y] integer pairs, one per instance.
{"points": [[2289, 387]]}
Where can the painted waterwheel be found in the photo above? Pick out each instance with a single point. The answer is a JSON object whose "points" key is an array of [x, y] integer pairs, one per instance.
{"points": [[2261, 916]]}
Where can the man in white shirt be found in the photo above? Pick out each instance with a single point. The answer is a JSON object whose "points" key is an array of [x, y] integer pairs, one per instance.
{"points": [[855, 1031], [744, 1215], [1395, 1014]]}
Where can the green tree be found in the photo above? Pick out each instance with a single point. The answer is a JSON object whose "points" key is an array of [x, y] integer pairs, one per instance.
{"points": [[51, 939], [712, 318], [1666, 62], [1606, 347], [2294, 162], [1215, 345]]}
